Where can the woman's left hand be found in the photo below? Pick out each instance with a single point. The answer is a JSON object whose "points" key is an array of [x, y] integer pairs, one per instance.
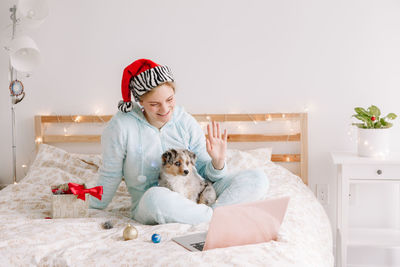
{"points": [[216, 145]]}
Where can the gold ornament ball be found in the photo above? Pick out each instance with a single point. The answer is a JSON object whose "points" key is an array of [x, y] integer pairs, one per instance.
{"points": [[130, 232]]}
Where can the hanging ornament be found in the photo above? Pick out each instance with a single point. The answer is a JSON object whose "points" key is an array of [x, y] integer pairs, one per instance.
{"points": [[130, 232], [17, 91]]}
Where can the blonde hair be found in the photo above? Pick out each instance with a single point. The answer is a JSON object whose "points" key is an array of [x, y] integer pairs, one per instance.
{"points": [[170, 84]]}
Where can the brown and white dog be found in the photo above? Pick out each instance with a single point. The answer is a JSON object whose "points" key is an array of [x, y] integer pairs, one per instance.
{"points": [[179, 175]]}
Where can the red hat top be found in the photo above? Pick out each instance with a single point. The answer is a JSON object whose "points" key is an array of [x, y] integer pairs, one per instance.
{"points": [[140, 77]]}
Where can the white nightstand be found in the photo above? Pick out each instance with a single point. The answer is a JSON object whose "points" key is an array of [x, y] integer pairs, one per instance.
{"points": [[352, 169]]}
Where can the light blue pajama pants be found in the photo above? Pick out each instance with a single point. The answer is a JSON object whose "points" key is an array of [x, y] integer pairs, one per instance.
{"points": [[159, 205]]}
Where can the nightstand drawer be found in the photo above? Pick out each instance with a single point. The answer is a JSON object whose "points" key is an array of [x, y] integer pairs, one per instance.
{"points": [[374, 171]]}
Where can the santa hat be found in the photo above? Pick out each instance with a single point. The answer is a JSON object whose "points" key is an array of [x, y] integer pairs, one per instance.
{"points": [[141, 77]]}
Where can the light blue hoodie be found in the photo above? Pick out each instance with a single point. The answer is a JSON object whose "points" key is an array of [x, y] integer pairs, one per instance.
{"points": [[132, 149]]}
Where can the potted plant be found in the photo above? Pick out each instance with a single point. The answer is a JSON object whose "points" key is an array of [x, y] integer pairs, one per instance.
{"points": [[373, 131]]}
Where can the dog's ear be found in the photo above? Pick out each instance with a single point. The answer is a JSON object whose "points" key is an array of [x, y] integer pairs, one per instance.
{"points": [[174, 153], [168, 156], [192, 156]]}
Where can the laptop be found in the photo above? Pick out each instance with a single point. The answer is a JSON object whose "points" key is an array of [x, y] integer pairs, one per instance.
{"points": [[239, 224]]}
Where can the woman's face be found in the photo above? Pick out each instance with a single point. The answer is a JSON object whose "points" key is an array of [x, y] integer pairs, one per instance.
{"points": [[159, 105]]}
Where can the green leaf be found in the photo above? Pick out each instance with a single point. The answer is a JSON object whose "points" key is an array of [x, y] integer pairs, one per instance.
{"points": [[378, 125], [383, 122], [365, 119], [391, 116], [374, 111], [359, 125], [361, 111]]}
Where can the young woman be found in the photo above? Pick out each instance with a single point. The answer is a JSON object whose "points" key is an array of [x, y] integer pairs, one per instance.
{"points": [[137, 136]]}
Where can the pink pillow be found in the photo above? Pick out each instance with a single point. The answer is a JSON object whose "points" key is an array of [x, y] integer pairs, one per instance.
{"points": [[246, 223]]}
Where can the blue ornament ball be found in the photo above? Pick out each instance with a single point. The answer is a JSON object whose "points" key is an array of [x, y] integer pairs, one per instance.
{"points": [[156, 238]]}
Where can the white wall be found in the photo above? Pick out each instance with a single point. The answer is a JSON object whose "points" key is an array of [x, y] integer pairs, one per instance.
{"points": [[227, 56]]}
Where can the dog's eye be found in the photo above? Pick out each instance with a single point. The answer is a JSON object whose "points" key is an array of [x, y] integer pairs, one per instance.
{"points": [[178, 163]]}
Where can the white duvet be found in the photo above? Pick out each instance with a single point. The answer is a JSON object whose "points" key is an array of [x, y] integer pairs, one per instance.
{"points": [[28, 239]]}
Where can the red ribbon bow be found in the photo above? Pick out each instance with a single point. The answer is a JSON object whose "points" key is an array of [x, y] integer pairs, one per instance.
{"points": [[80, 190]]}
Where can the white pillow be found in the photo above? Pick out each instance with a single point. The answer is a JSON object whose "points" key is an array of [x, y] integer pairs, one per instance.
{"points": [[248, 159], [54, 165]]}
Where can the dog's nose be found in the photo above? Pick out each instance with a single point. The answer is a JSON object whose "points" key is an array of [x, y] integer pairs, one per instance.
{"points": [[186, 172]]}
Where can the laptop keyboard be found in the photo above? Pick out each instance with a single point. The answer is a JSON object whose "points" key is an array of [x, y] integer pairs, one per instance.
{"points": [[198, 246]]}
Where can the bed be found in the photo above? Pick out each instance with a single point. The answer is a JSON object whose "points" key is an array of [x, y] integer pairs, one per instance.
{"points": [[29, 239]]}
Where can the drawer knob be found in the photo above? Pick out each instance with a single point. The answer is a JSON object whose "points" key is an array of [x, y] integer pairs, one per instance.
{"points": [[379, 172]]}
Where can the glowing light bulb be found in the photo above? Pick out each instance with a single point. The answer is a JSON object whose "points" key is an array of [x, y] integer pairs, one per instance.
{"points": [[78, 118], [283, 116], [38, 140], [287, 159], [208, 118], [23, 166]]}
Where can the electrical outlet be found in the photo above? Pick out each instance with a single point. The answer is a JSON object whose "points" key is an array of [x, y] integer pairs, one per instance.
{"points": [[323, 193]]}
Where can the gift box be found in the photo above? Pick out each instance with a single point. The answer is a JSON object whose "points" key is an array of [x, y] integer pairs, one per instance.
{"points": [[69, 206], [72, 200]]}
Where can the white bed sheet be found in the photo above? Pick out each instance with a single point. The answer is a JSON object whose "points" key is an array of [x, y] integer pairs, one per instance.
{"points": [[28, 239]]}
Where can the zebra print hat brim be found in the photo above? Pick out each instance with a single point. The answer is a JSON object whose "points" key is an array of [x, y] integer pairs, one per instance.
{"points": [[140, 77], [149, 79]]}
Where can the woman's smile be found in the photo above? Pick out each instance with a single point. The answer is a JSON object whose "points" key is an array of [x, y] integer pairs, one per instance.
{"points": [[164, 115]]}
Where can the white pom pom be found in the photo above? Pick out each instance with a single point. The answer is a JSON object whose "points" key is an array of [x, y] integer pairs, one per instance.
{"points": [[142, 178]]}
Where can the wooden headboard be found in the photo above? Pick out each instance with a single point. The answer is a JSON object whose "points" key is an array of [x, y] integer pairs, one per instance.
{"points": [[300, 136]]}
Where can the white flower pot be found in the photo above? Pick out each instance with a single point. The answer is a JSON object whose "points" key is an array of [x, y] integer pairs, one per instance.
{"points": [[373, 142]]}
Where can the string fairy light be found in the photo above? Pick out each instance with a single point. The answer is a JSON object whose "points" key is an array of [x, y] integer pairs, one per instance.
{"points": [[241, 128], [100, 118], [78, 118], [24, 166], [254, 121]]}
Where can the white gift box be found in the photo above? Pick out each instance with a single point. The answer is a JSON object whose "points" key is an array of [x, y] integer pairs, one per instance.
{"points": [[69, 206]]}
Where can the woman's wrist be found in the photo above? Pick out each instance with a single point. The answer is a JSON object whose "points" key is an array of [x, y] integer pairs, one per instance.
{"points": [[218, 164]]}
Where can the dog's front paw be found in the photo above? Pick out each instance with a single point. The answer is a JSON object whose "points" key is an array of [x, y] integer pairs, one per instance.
{"points": [[208, 195]]}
